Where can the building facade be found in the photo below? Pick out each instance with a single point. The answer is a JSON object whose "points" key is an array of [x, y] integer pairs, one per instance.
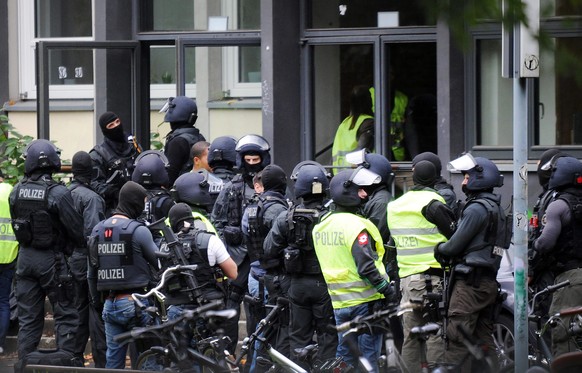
{"points": [[284, 69]]}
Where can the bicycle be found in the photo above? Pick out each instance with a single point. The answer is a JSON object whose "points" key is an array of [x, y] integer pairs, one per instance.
{"points": [[177, 355], [539, 347], [262, 333], [390, 361]]}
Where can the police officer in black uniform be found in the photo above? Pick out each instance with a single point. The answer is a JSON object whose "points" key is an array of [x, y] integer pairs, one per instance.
{"points": [[476, 248], [151, 172], [92, 207], [222, 157], [46, 225], [539, 273], [181, 113], [121, 254], [559, 246], [252, 155], [290, 241], [113, 159], [258, 218], [203, 249]]}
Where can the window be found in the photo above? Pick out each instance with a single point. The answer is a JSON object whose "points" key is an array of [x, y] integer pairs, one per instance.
{"points": [[241, 66], [70, 72], [558, 119]]}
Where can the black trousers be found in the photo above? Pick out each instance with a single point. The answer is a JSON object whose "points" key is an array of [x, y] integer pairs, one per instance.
{"points": [[311, 310], [36, 278]]}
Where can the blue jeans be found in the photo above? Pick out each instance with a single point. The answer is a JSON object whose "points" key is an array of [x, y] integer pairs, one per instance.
{"points": [[6, 276], [119, 316], [368, 344]]}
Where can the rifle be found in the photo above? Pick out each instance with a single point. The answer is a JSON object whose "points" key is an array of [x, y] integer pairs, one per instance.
{"points": [[177, 256]]}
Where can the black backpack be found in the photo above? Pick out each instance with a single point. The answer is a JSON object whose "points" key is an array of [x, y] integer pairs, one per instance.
{"points": [[52, 357]]}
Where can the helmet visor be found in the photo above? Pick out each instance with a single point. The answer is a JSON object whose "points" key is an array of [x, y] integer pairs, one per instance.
{"points": [[364, 177], [463, 163], [255, 140]]}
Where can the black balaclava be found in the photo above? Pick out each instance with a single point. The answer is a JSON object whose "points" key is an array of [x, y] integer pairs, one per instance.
{"points": [[82, 167], [424, 173], [114, 134], [131, 200], [274, 179], [544, 175], [178, 214], [252, 169]]}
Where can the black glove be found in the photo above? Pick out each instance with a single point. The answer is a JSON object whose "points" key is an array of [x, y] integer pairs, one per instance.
{"points": [[440, 215], [440, 257], [389, 293]]}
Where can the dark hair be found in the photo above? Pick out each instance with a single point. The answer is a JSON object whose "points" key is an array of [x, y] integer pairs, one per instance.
{"points": [[360, 103], [199, 148]]}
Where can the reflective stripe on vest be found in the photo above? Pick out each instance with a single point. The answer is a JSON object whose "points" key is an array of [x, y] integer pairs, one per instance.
{"points": [[333, 239], [414, 236], [345, 140], [8, 243]]}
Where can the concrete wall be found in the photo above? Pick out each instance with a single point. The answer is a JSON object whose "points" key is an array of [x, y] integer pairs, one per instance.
{"points": [[74, 130]]}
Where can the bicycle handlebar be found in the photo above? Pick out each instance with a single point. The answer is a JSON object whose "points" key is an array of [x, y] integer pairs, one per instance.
{"points": [[363, 321], [548, 289], [156, 290]]}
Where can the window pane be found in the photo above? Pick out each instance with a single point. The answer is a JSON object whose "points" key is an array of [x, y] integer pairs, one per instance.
{"points": [[70, 66], [367, 13], [63, 18], [192, 15], [495, 94], [337, 70], [249, 64], [162, 64], [560, 93], [550, 8]]}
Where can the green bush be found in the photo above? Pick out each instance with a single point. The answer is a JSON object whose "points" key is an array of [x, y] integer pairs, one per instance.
{"points": [[12, 145]]}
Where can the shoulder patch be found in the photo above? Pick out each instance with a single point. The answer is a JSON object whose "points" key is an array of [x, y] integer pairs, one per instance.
{"points": [[363, 238]]}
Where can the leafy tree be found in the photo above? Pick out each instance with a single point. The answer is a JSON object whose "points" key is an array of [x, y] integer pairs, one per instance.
{"points": [[12, 145]]}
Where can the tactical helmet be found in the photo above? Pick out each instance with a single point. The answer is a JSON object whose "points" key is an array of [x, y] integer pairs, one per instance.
{"points": [[41, 154], [310, 178], [252, 144], [483, 176], [181, 109], [179, 213], [345, 185], [151, 169], [567, 172], [193, 189], [222, 150], [380, 165]]}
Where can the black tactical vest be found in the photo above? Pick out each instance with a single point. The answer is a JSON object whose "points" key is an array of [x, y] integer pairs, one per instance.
{"points": [[300, 256], [257, 231], [569, 254], [114, 162], [194, 245], [190, 134], [120, 267], [33, 224]]}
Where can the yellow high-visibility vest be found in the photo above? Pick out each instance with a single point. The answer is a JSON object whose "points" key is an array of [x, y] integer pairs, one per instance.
{"points": [[8, 243], [333, 239], [414, 236], [345, 140]]}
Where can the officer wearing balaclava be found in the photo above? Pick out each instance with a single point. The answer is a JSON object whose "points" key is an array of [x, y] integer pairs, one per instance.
{"points": [[92, 207], [113, 159], [121, 253]]}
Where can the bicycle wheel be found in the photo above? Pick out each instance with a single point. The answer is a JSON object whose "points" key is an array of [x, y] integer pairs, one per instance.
{"points": [[152, 361]]}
